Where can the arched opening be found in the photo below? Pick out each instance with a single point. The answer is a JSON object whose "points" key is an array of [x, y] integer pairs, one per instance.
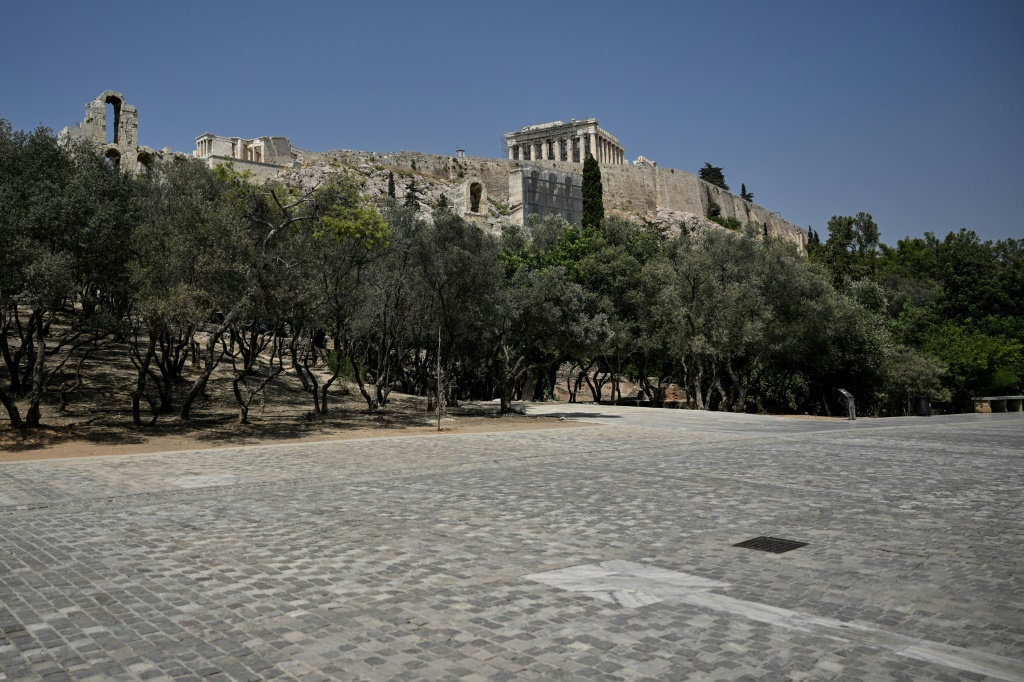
{"points": [[113, 120], [145, 163], [113, 157], [475, 192]]}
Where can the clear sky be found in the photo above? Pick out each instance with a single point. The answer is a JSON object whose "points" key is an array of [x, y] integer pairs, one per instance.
{"points": [[910, 111]]}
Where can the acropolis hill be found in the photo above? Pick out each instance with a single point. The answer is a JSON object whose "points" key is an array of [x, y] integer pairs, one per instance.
{"points": [[541, 174]]}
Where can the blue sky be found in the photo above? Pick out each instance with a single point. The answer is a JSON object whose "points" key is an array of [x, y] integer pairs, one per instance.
{"points": [[910, 111]]}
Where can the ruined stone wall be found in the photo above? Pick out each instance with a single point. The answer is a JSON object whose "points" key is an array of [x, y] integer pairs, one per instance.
{"points": [[544, 192], [492, 172], [123, 150], [644, 191], [260, 172], [277, 149]]}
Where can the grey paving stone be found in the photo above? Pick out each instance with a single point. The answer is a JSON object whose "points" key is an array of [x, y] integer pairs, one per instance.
{"points": [[406, 558]]}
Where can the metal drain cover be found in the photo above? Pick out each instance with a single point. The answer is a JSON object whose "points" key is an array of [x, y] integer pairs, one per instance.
{"points": [[769, 544]]}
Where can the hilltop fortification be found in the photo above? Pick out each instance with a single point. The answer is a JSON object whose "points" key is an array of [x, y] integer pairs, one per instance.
{"points": [[541, 175]]}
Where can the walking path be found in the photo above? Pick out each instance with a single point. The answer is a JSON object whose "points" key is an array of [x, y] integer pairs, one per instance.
{"points": [[592, 553]]}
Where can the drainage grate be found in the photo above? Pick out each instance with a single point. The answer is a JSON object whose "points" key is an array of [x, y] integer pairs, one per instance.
{"points": [[767, 544]]}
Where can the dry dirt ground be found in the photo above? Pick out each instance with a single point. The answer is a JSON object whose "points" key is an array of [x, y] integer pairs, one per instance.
{"points": [[97, 420]]}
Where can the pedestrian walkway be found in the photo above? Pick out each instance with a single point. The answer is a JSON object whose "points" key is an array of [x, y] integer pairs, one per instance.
{"points": [[604, 552]]}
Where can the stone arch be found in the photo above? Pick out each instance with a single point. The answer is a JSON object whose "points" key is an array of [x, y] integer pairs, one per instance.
{"points": [[144, 162], [113, 157], [476, 190], [112, 133], [475, 193]]}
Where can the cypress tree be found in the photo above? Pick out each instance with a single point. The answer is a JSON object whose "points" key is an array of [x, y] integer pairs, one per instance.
{"points": [[410, 195], [391, 184], [593, 194], [713, 175]]}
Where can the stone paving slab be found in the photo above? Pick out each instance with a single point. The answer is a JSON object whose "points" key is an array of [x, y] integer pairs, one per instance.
{"points": [[411, 558]]}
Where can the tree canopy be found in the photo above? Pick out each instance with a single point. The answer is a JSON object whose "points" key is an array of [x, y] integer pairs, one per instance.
{"points": [[713, 175], [334, 288]]}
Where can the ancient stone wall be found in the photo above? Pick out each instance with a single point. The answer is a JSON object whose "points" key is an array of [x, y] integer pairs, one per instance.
{"points": [[645, 191], [124, 149], [259, 172], [544, 192], [278, 150]]}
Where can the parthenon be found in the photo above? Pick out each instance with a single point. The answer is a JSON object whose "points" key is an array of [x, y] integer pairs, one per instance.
{"points": [[559, 141]]}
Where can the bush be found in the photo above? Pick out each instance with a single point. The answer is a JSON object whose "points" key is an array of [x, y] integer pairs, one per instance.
{"points": [[728, 223]]}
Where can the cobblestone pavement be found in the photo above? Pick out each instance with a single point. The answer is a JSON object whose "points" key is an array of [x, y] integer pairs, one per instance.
{"points": [[595, 553]]}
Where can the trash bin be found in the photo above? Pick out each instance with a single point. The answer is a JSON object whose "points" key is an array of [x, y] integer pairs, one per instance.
{"points": [[924, 406]]}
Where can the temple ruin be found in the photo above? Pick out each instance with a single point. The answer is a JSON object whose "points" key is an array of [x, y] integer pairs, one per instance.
{"points": [[272, 150], [572, 142]]}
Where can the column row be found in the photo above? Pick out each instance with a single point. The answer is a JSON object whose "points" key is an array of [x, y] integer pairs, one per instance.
{"points": [[572, 149], [609, 153]]}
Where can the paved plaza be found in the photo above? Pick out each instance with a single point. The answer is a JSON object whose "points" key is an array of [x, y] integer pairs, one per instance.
{"points": [[598, 552]]}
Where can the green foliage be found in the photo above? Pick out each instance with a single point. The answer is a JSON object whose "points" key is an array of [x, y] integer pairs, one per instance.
{"points": [[593, 194], [345, 214], [728, 223], [501, 208], [391, 185], [713, 209], [713, 175], [543, 244], [852, 248], [92, 255], [411, 200], [973, 279], [65, 231], [744, 194], [341, 365], [979, 364], [909, 374]]}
